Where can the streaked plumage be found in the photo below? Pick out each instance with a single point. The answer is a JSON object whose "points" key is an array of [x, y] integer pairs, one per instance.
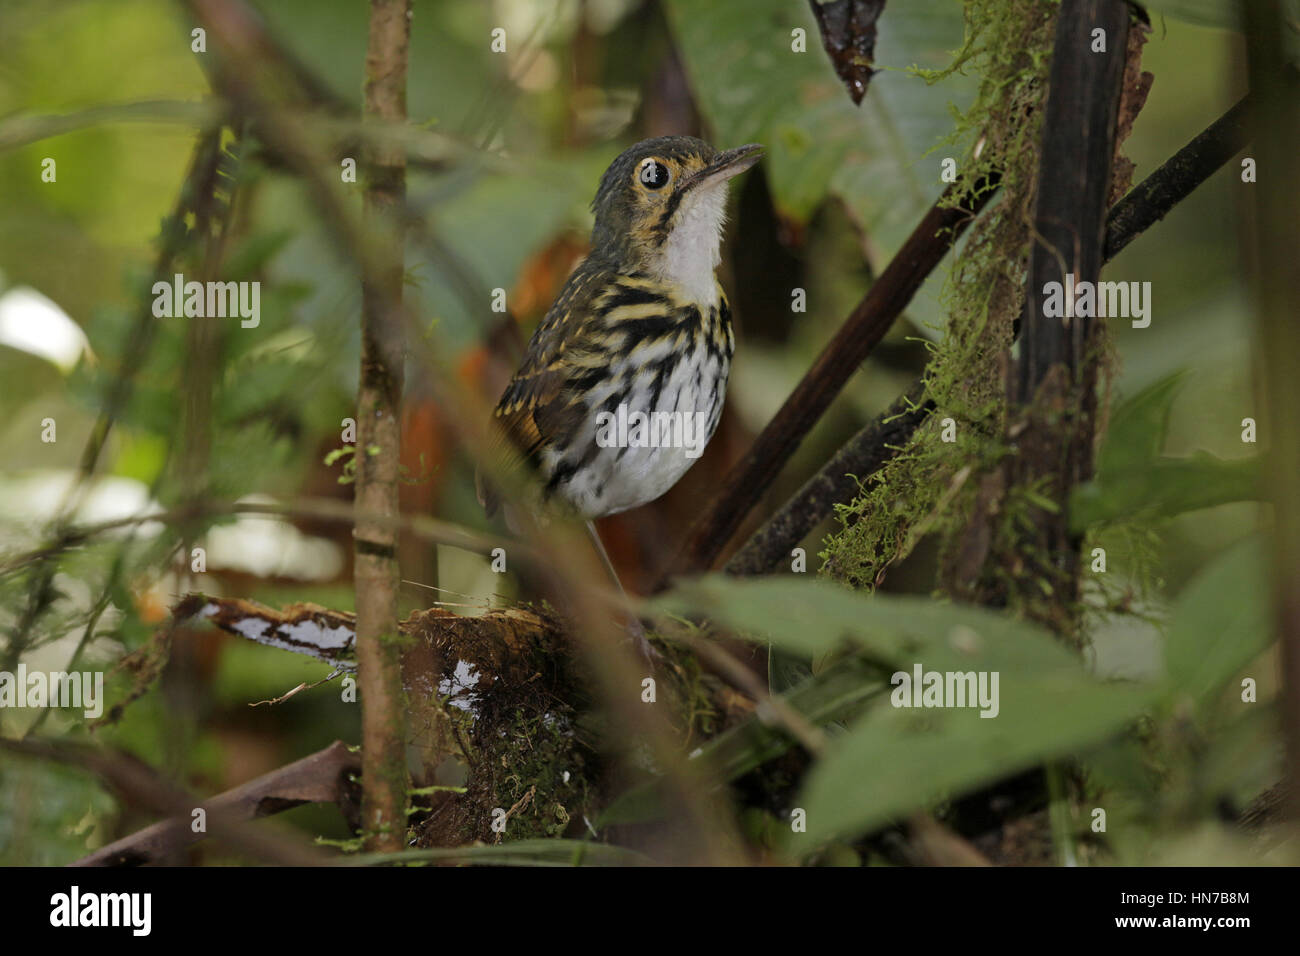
{"points": [[642, 321]]}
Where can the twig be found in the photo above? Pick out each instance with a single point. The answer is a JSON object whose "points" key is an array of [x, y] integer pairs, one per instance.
{"points": [[859, 458], [318, 778], [741, 677], [1150, 200], [301, 687], [325, 509]]}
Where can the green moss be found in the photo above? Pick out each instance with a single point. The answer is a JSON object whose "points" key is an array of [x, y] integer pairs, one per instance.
{"points": [[932, 485]]}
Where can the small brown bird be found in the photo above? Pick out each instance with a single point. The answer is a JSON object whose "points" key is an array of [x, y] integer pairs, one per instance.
{"points": [[623, 381]]}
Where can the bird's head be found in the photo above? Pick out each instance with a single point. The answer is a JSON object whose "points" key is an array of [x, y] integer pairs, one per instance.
{"points": [[661, 205]]}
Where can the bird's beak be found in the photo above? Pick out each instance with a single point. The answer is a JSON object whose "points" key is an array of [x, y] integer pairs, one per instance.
{"points": [[728, 163]]}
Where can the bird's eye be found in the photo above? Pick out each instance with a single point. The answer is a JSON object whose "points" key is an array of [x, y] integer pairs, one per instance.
{"points": [[653, 174]]}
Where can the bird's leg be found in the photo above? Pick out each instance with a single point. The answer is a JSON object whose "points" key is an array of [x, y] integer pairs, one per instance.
{"points": [[633, 625]]}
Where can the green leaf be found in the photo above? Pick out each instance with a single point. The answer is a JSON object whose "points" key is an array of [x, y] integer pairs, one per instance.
{"points": [[753, 87], [1220, 622], [1137, 430], [1168, 487], [1132, 479], [812, 616], [896, 760]]}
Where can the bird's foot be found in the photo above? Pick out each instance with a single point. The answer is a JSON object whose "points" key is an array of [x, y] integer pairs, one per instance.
{"points": [[636, 634]]}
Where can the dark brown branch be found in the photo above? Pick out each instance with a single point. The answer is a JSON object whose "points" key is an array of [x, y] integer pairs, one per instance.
{"points": [[1053, 418], [318, 778], [1073, 181], [750, 478], [860, 457], [1150, 200]]}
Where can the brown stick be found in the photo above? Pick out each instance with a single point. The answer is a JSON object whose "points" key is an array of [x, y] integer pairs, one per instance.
{"points": [[859, 458], [379, 415], [860, 333], [318, 778], [316, 509]]}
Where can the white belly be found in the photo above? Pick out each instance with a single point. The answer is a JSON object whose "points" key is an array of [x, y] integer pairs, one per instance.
{"points": [[642, 464]]}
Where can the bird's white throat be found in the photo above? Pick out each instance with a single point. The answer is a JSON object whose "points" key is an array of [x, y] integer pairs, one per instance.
{"points": [[692, 250]]}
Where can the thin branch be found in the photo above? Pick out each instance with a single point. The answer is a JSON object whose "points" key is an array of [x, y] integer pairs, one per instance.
{"points": [[324, 509], [318, 778], [379, 426], [346, 134], [1150, 200], [859, 458]]}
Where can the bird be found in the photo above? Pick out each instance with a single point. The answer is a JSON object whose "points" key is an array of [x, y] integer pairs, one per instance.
{"points": [[623, 381]]}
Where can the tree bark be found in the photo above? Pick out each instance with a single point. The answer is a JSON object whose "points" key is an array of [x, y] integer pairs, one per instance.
{"points": [[1052, 423], [378, 452]]}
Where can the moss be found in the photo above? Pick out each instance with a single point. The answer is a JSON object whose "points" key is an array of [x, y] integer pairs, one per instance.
{"points": [[513, 704]]}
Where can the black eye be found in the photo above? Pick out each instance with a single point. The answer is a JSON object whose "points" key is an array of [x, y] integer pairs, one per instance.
{"points": [[653, 174]]}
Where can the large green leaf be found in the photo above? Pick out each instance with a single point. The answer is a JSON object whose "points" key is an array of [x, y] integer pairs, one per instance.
{"points": [[812, 616], [896, 759], [751, 86]]}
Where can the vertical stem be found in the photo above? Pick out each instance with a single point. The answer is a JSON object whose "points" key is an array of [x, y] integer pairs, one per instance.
{"points": [[377, 575], [1055, 385], [1276, 221]]}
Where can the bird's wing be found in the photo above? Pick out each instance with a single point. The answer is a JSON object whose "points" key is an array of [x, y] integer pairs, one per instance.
{"points": [[535, 406]]}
